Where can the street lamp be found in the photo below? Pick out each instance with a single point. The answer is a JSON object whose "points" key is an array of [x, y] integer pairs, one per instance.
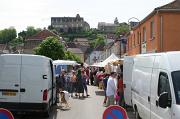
{"points": [[130, 28], [131, 19]]}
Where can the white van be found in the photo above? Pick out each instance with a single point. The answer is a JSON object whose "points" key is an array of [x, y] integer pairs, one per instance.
{"points": [[27, 83], [127, 79], [156, 86]]}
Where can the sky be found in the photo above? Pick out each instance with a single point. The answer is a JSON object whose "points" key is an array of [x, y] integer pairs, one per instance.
{"points": [[38, 13]]}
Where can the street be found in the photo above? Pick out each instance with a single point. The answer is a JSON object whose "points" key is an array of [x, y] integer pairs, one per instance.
{"points": [[88, 108]]}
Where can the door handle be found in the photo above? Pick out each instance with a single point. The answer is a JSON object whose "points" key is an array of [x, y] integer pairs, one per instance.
{"points": [[157, 103], [16, 85], [22, 90], [149, 99], [44, 76]]}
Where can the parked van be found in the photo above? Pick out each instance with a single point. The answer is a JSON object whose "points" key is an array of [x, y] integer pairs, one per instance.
{"points": [[127, 79], [156, 86], [27, 83]]}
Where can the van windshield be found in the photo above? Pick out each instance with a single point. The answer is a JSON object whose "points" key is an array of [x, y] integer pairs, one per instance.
{"points": [[176, 83]]}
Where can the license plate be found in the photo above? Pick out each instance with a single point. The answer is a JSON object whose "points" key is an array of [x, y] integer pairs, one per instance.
{"points": [[9, 93]]}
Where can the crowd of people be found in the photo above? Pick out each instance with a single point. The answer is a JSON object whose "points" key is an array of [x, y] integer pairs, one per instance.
{"points": [[75, 83]]}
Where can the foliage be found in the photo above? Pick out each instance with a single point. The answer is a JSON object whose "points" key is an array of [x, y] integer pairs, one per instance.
{"points": [[15, 42], [30, 31], [98, 41], [52, 48], [123, 28], [70, 56], [7, 35]]}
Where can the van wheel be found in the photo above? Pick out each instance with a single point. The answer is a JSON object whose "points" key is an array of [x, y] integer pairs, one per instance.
{"points": [[137, 114], [47, 112]]}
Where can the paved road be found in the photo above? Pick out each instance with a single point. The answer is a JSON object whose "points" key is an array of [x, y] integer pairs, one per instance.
{"points": [[88, 108]]}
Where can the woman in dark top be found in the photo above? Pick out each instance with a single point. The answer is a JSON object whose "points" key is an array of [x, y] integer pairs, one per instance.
{"points": [[80, 88]]}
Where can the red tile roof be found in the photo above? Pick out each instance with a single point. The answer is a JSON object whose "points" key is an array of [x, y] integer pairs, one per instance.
{"points": [[172, 5], [42, 35]]}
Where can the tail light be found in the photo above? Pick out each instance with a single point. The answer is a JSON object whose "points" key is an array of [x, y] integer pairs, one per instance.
{"points": [[45, 95]]}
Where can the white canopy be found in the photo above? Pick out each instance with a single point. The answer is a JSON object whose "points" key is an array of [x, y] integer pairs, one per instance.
{"points": [[96, 65], [64, 62], [110, 59]]}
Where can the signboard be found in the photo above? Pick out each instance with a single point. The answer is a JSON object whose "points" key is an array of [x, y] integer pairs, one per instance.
{"points": [[5, 114], [143, 48], [115, 112]]}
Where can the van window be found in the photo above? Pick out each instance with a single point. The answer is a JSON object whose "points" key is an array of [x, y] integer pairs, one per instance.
{"points": [[176, 84], [163, 85]]}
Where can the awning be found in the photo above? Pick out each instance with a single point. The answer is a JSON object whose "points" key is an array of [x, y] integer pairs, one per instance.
{"points": [[110, 59], [65, 62]]}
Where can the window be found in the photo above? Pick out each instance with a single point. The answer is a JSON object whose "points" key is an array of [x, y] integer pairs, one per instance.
{"points": [[134, 40], [163, 85], [137, 38], [144, 34], [176, 85], [152, 29]]}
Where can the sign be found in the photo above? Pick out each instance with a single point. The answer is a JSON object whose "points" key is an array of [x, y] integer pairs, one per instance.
{"points": [[143, 48], [5, 114], [115, 112]]}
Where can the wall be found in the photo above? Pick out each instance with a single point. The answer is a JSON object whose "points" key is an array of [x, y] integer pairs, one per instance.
{"points": [[171, 31]]}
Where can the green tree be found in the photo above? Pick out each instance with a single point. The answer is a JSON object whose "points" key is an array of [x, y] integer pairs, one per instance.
{"points": [[51, 47], [7, 35], [70, 56], [123, 28], [30, 31], [98, 41], [15, 42]]}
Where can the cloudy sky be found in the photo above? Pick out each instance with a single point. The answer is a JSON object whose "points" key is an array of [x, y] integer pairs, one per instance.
{"points": [[23, 13]]}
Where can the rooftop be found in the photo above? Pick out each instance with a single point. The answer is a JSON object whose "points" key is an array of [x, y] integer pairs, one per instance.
{"points": [[42, 35], [71, 45], [99, 48], [75, 50], [172, 5]]}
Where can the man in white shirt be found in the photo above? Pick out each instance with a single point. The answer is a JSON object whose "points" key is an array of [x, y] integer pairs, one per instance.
{"points": [[111, 89]]}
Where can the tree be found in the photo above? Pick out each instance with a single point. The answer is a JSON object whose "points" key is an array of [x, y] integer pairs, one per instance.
{"points": [[51, 47], [15, 42], [98, 41], [116, 21], [7, 35], [123, 28], [70, 56], [30, 31]]}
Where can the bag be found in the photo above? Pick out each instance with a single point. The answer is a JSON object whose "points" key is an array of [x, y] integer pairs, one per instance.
{"points": [[117, 97]]}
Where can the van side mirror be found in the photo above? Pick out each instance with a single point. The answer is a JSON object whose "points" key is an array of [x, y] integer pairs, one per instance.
{"points": [[163, 100]]}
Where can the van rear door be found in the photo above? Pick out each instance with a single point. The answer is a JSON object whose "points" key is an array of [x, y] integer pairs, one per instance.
{"points": [[32, 79], [10, 67], [127, 79]]}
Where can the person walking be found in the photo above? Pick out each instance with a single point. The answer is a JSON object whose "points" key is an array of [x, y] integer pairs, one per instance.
{"points": [[91, 76], [73, 83], [105, 80], [88, 75], [80, 88], [61, 80], [111, 89], [84, 81], [120, 90]]}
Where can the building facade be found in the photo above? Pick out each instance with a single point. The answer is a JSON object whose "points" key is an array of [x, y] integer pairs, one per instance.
{"points": [[33, 41], [158, 32], [107, 27], [69, 24]]}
